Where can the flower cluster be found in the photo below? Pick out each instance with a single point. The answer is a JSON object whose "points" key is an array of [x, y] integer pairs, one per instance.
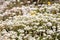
{"points": [[31, 22]]}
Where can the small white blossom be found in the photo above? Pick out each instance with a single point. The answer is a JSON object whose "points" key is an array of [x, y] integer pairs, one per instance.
{"points": [[49, 24]]}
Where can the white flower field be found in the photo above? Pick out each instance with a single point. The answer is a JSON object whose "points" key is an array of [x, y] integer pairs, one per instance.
{"points": [[29, 22]]}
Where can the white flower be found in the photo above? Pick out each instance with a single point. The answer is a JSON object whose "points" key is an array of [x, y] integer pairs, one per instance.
{"points": [[13, 36], [31, 38], [13, 39], [58, 18], [50, 32], [28, 35], [9, 23], [3, 31], [6, 2], [49, 36], [28, 1], [20, 30], [18, 0], [35, 26], [56, 39], [27, 28], [34, 3], [58, 30], [21, 35], [20, 38], [54, 27], [12, 0], [44, 38], [13, 13], [49, 24]]}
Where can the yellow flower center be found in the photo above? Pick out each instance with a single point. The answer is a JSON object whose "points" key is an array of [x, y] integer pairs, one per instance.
{"points": [[33, 13], [49, 3]]}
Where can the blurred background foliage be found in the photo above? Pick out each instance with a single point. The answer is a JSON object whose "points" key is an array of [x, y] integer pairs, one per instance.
{"points": [[40, 1]]}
